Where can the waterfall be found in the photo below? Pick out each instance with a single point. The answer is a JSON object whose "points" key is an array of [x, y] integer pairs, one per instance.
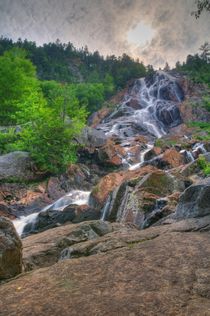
{"points": [[105, 209], [150, 107], [190, 156], [75, 197], [199, 146]]}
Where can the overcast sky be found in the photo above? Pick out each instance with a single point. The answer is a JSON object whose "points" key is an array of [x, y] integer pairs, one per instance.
{"points": [[155, 31]]}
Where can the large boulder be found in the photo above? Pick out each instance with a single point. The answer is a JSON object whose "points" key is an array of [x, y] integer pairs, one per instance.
{"points": [[16, 166], [91, 137], [195, 201], [143, 201], [111, 181], [10, 250]]}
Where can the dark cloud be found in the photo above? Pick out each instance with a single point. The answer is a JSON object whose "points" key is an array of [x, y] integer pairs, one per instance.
{"points": [[104, 24]]}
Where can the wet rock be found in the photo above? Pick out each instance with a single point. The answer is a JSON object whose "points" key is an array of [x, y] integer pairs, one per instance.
{"points": [[142, 201], [51, 218], [168, 114], [17, 166], [195, 201], [10, 250], [111, 181]]}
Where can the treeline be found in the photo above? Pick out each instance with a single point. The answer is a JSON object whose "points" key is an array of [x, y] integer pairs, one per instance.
{"points": [[47, 93], [64, 63], [197, 66]]}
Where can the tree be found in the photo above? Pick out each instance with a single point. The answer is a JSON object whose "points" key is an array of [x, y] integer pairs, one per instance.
{"points": [[202, 5], [17, 83], [205, 51], [166, 68]]}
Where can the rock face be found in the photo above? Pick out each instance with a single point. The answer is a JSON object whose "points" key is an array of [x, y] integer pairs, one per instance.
{"points": [[111, 181], [92, 138], [160, 271], [195, 201], [10, 250], [16, 165], [51, 243], [142, 200]]}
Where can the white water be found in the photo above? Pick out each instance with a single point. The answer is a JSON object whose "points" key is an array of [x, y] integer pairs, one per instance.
{"points": [[142, 155], [146, 116], [105, 209], [189, 156], [75, 197], [155, 110], [199, 146]]}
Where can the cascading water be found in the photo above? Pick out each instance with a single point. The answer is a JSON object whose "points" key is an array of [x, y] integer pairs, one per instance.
{"points": [[74, 197], [142, 156], [199, 147], [150, 107]]}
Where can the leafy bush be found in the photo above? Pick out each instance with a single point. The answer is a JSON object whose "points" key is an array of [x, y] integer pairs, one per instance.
{"points": [[7, 137], [49, 117], [204, 165]]}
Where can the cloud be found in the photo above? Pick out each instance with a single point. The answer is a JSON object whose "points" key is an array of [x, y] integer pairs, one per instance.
{"points": [[104, 24]]}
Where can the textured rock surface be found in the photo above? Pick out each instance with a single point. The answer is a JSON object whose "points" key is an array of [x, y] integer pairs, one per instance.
{"points": [[195, 201], [16, 165], [141, 201], [10, 250], [44, 249], [111, 181], [159, 271]]}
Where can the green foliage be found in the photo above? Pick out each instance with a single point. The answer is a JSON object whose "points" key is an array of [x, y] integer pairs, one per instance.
{"points": [[161, 142], [204, 165], [206, 101], [202, 130], [7, 137], [49, 113], [17, 82], [89, 95], [65, 63], [197, 68], [202, 5]]}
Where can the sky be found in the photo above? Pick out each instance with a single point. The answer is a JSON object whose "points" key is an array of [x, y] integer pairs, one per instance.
{"points": [[155, 31]]}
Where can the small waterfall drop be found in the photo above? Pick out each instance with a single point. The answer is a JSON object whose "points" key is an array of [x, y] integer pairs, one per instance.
{"points": [[199, 147], [75, 197], [105, 209], [142, 156]]}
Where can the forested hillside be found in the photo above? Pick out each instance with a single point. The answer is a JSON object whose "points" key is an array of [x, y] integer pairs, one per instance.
{"points": [[65, 63], [49, 91]]}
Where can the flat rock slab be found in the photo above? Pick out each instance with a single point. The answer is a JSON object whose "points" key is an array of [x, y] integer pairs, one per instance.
{"points": [[167, 274]]}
